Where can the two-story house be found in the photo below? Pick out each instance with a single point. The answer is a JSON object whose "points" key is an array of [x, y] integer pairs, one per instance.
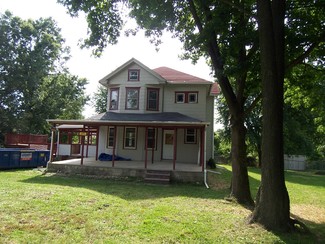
{"points": [[153, 115]]}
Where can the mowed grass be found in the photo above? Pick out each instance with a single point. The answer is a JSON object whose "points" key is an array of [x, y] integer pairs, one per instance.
{"points": [[50, 208]]}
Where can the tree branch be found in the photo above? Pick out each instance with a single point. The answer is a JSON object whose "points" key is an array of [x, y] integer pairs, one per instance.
{"points": [[304, 55], [253, 105], [215, 56]]}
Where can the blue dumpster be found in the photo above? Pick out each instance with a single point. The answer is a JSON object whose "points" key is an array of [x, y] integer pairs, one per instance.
{"points": [[43, 157], [4, 159], [23, 158]]}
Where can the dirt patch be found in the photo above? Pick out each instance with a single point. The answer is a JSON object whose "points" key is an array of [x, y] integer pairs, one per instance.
{"points": [[307, 212]]}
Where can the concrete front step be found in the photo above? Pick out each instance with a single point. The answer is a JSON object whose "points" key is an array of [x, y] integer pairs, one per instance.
{"points": [[159, 177]]}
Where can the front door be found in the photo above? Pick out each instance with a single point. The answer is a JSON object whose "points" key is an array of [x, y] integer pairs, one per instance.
{"points": [[168, 144]]}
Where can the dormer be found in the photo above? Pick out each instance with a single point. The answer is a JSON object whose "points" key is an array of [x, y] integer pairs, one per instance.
{"points": [[134, 88]]}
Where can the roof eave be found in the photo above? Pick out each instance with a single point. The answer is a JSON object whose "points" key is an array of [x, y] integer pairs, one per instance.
{"points": [[103, 122]]}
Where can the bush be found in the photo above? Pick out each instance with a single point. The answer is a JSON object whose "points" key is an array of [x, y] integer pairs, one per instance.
{"points": [[211, 163]]}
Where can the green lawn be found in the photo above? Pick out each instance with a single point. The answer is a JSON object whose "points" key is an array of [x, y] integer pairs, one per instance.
{"points": [[50, 208]]}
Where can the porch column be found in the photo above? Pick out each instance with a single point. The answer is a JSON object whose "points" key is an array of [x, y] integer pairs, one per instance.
{"points": [[87, 148], [175, 148], [146, 147], [97, 140], [82, 145], [52, 144], [154, 144], [114, 144]]}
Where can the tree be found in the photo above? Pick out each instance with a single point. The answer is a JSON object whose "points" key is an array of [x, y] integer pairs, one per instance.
{"points": [[32, 56], [274, 215], [99, 100]]}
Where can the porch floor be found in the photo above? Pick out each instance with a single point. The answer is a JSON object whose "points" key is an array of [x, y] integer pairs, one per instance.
{"points": [[166, 165]]}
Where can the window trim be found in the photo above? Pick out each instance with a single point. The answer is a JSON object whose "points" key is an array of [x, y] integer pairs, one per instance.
{"points": [[186, 134], [135, 137], [108, 137], [186, 96], [155, 139], [157, 99], [126, 97], [180, 93], [110, 98], [196, 97], [133, 70]]}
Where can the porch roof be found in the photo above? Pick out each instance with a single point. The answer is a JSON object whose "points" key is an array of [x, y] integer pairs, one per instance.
{"points": [[161, 119]]}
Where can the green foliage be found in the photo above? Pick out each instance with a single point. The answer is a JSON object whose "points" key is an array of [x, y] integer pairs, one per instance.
{"points": [[34, 83], [99, 100], [222, 144]]}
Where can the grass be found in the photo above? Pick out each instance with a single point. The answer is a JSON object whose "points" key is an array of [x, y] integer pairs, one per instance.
{"points": [[51, 208]]}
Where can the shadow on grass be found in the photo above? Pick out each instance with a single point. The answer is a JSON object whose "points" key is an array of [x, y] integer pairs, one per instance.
{"points": [[128, 189]]}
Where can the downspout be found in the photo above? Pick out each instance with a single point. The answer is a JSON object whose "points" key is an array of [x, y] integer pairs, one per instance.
{"points": [[204, 159]]}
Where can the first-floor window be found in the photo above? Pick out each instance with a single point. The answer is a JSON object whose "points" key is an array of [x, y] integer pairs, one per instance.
{"points": [[110, 136], [130, 137], [151, 138], [190, 136]]}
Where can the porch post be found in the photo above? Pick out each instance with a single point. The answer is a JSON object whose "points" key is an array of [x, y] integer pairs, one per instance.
{"points": [[146, 147], [82, 145], [114, 144], [58, 143], [52, 144], [175, 148], [87, 148], [97, 139], [154, 144]]}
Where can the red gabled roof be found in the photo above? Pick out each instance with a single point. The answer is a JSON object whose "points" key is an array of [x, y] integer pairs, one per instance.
{"points": [[175, 76], [215, 89]]}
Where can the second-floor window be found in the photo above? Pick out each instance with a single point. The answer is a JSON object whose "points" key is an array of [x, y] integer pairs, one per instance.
{"points": [[186, 97], [153, 99], [113, 103], [132, 98]]}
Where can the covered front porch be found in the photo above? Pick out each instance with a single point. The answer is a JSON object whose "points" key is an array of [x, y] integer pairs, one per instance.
{"points": [[183, 172]]}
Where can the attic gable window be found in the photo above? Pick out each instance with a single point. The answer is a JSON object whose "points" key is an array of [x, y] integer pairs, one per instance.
{"points": [[133, 75]]}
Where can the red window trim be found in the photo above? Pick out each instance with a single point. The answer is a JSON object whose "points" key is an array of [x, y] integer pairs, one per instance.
{"points": [[186, 96], [153, 89], [136, 138], [110, 98], [195, 136], [130, 70], [146, 143], [126, 97]]}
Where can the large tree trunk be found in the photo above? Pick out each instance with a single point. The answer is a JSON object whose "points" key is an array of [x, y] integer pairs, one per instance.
{"points": [[272, 201], [240, 183]]}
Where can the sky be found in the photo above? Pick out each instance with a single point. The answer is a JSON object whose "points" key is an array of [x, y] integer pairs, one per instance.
{"points": [[84, 65]]}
